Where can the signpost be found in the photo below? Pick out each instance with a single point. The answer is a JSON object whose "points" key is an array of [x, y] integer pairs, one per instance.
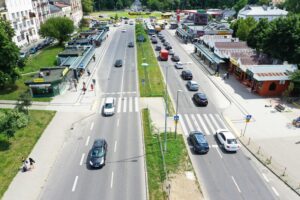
{"points": [[247, 120]]}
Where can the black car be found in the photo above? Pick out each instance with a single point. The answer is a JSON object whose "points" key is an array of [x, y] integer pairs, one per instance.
{"points": [[187, 75], [199, 142], [175, 58], [169, 47], [157, 48], [130, 44], [200, 99], [98, 153], [118, 63], [163, 40], [166, 44]]}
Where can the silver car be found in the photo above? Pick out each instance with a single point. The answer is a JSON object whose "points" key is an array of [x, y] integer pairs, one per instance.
{"points": [[178, 65], [192, 85]]}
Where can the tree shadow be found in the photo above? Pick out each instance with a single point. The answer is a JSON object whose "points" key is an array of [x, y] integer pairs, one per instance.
{"points": [[4, 145], [8, 89]]}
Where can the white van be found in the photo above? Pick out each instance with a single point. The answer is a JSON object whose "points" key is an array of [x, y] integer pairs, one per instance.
{"points": [[109, 106]]}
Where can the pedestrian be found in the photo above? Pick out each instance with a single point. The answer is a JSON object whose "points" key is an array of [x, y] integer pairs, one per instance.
{"points": [[83, 89], [92, 86], [75, 85], [83, 84], [88, 72], [227, 75], [32, 162], [26, 166], [224, 76], [94, 57]]}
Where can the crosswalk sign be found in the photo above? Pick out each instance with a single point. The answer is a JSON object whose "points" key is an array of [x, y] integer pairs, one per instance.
{"points": [[248, 117]]}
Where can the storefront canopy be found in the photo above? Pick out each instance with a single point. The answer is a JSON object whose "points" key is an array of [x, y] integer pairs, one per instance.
{"points": [[208, 54]]}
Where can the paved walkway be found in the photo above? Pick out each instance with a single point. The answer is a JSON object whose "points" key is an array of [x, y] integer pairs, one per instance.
{"points": [[270, 135]]}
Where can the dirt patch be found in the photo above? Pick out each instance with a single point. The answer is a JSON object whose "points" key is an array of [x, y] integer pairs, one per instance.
{"points": [[184, 186]]}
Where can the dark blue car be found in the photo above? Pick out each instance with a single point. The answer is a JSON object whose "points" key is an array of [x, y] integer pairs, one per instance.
{"points": [[198, 142]]}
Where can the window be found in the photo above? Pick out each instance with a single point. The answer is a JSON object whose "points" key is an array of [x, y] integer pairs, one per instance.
{"points": [[22, 13], [272, 86], [31, 22], [19, 38], [13, 15], [18, 14]]}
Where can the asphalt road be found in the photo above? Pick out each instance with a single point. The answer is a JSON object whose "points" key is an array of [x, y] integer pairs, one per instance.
{"points": [[123, 176], [222, 175]]}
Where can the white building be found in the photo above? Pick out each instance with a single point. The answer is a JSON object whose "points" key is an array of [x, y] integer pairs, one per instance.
{"points": [[42, 10], [76, 8], [259, 12], [60, 9], [23, 19]]}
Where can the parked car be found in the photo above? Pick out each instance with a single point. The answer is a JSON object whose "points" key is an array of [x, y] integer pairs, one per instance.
{"points": [[126, 22], [169, 47], [157, 48], [123, 30], [109, 106], [192, 85], [200, 99], [131, 23], [187, 75], [118, 63], [98, 153], [154, 41], [130, 44], [175, 58], [24, 54], [171, 52], [33, 50], [178, 65], [227, 140], [198, 142]]}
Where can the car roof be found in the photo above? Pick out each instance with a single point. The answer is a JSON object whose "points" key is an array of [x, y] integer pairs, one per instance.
{"points": [[109, 100], [227, 134], [201, 95], [193, 82], [119, 60], [199, 136], [98, 142]]}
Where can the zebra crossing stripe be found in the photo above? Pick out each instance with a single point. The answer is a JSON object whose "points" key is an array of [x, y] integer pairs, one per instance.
{"points": [[136, 104], [208, 122], [220, 120], [214, 121], [188, 122], [195, 122], [119, 104], [130, 104], [183, 125], [206, 131], [124, 104]]}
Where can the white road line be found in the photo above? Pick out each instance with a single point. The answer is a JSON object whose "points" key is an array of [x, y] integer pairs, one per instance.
{"points": [[188, 122], [118, 122], [87, 141], [195, 122], [220, 120], [115, 148], [81, 160], [112, 179], [208, 122], [183, 125], [92, 125], [236, 184], [124, 104], [214, 122], [136, 104], [219, 153], [74, 184], [130, 104], [265, 177], [119, 104], [214, 145], [206, 131], [275, 191]]}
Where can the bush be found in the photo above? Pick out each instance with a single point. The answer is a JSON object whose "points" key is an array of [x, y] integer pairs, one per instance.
{"points": [[12, 120]]}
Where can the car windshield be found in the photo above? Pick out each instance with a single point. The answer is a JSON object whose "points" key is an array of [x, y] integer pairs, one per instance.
{"points": [[108, 105], [231, 141], [98, 152]]}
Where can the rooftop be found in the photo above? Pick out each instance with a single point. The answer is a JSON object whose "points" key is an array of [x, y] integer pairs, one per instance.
{"points": [[48, 75], [253, 10], [271, 72]]}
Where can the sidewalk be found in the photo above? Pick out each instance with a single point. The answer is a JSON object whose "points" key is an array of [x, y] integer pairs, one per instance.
{"points": [[270, 135]]}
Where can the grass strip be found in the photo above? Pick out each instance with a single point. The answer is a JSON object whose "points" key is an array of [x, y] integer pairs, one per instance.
{"points": [[12, 149], [176, 157]]}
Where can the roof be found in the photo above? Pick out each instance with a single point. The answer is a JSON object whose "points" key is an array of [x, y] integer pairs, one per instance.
{"points": [[271, 72], [54, 9], [72, 52], [231, 45], [2, 3], [49, 75], [227, 134], [61, 4], [212, 57], [251, 10]]}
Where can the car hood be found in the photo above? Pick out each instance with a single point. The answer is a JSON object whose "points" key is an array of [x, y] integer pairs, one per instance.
{"points": [[97, 160], [109, 110]]}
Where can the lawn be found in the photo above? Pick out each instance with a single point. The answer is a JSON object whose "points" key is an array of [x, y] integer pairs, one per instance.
{"points": [[45, 58], [13, 92], [176, 158], [108, 14], [11, 151]]}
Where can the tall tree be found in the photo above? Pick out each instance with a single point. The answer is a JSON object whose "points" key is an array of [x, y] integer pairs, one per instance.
{"points": [[242, 31], [292, 5], [258, 34], [239, 5], [87, 5], [59, 28]]}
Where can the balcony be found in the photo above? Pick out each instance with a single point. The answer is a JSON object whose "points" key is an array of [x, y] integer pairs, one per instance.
{"points": [[32, 14]]}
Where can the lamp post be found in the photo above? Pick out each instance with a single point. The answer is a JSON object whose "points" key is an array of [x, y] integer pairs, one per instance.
{"points": [[166, 110], [176, 118]]}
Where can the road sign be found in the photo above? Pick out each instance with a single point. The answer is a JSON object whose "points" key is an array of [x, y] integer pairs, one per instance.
{"points": [[176, 117], [248, 117]]}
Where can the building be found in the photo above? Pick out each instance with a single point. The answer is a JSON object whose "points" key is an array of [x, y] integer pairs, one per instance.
{"points": [[76, 10], [3, 10], [23, 19], [60, 9], [42, 11], [260, 12]]}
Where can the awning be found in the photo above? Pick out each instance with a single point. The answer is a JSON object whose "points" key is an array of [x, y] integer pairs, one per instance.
{"points": [[213, 58], [39, 85]]}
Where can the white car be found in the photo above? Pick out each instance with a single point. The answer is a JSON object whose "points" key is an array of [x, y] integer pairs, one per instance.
{"points": [[178, 65], [109, 106], [227, 140]]}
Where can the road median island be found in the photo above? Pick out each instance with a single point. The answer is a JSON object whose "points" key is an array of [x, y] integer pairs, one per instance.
{"points": [[20, 145], [166, 172]]}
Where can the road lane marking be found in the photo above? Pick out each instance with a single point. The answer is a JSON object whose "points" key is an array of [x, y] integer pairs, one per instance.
{"points": [[74, 184], [136, 104], [124, 104], [219, 153], [265, 177], [188, 122], [115, 148], [112, 179], [118, 122], [208, 122], [275, 191], [203, 124], [214, 145], [92, 125], [119, 104], [195, 122], [87, 141], [214, 121], [130, 104], [236, 184], [183, 125], [220, 120], [81, 160]]}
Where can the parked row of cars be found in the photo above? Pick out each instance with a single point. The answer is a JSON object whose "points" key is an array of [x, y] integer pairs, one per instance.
{"points": [[34, 49]]}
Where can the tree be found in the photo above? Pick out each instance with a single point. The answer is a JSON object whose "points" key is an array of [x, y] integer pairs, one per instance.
{"points": [[242, 27], [119, 4], [24, 101], [239, 5], [258, 34], [59, 28], [292, 5], [264, 2], [87, 5], [116, 17], [242, 31]]}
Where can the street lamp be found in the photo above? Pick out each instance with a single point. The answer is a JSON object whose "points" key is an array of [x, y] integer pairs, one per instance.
{"points": [[166, 110], [176, 119]]}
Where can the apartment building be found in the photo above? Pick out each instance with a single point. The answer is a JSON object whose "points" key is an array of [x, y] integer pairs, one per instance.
{"points": [[76, 9], [42, 11]]}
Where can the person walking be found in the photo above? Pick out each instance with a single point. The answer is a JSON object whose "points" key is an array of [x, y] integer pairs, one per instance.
{"points": [[92, 86], [31, 162], [75, 85], [94, 57], [88, 72], [227, 75]]}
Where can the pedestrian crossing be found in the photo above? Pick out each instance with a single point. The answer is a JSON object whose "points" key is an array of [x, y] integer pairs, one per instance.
{"points": [[207, 123], [123, 104]]}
